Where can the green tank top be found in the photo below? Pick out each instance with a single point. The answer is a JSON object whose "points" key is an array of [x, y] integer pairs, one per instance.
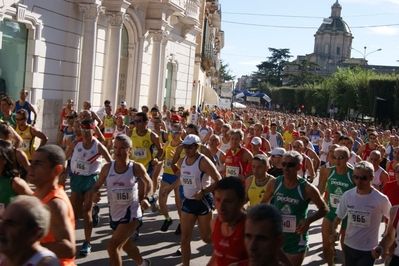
{"points": [[7, 193], [293, 207], [336, 186]]}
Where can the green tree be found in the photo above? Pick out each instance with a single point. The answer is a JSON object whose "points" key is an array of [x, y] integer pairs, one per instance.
{"points": [[225, 72], [304, 73], [271, 71]]}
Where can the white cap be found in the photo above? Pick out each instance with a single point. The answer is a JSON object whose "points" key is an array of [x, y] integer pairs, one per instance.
{"points": [[123, 103], [278, 151], [256, 141], [191, 139]]}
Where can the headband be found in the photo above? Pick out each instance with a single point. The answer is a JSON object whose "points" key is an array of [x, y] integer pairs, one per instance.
{"points": [[87, 126]]}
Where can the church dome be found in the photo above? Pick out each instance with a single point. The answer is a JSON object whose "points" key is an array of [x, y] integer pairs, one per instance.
{"points": [[334, 25]]}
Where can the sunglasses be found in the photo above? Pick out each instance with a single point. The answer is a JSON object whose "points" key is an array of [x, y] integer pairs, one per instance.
{"points": [[339, 157], [174, 132], [138, 121], [290, 165], [174, 121], [371, 138], [85, 129], [362, 178], [70, 117], [20, 119], [189, 147]]}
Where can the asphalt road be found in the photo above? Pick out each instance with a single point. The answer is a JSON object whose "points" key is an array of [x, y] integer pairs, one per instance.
{"points": [[160, 247]]}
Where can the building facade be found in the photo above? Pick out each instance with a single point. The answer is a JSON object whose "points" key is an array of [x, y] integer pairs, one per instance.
{"points": [[143, 52]]}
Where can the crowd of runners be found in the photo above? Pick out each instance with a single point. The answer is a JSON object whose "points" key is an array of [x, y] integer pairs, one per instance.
{"points": [[245, 176]]}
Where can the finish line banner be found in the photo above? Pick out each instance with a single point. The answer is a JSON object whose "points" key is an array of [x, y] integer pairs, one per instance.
{"points": [[253, 99]]}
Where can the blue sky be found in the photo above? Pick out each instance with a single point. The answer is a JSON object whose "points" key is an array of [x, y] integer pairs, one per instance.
{"points": [[246, 46]]}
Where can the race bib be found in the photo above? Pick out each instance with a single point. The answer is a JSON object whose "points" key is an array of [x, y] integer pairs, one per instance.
{"points": [[64, 122], [168, 163], [140, 153], [289, 223], [232, 171], [109, 130], [188, 181], [2, 208], [122, 195], [334, 200], [25, 145], [82, 167], [360, 218]]}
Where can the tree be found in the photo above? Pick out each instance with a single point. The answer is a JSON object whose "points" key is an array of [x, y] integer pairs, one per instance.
{"points": [[303, 73], [271, 70], [224, 72]]}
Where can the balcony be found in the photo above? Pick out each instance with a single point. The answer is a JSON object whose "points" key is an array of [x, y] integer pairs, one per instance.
{"points": [[190, 15]]}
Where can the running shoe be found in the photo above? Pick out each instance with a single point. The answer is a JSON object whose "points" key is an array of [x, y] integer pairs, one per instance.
{"points": [[178, 231], [154, 205], [166, 224], [178, 252], [94, 215], [86, 249], [148, 262]]}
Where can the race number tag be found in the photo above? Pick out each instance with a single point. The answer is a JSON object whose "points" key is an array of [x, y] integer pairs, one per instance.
{"points": [[82, 167], [109, 130], [2, 208], [25, 145], [334, 200], [232, 170], [168, 163], [289, 223], [360, 218], [122, 195], [188, 181], [64, 122], [139, 153]]}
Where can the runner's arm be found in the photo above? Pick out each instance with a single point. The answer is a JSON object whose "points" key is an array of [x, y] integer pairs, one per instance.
{"points": [[104, 152], [62, 230], [389, 236], [21, 187], [37, 133], [269, 191], [70, 149]]}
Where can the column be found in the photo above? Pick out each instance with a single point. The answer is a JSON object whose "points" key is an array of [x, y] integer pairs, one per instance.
{"points": [[159, 38], [87, 66], [113, 56]]}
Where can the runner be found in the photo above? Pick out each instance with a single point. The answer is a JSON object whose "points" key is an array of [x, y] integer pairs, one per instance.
{"points": [[22, 103], [237, 157], [85, 167], [380, 175], [339, 180], [228, 227], [108, 123], [196, 173], [292, 194], [63, 119], [48, 163], [125, 214], [364, 207], [276, 157]]}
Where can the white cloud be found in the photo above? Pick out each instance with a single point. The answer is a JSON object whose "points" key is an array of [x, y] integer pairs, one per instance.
{"points": [[384, 31]]}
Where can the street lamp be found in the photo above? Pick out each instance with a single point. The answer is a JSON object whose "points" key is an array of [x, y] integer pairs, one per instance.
{"points": [[365, 54]]}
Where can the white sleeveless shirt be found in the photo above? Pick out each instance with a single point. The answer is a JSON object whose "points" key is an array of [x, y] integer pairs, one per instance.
{"points": [[123, 195], [192, 178], [86, 162]]}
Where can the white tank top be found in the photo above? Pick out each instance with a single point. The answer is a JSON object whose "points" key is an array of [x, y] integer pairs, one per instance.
{"points": [[219, 165], [203, 132], [192, 178], [272, 138], [376, 180], [35, 259], [123, 195], [352, 159], [225, 146], [150, 125], [86, 162], [119, 132], [324, 149]]}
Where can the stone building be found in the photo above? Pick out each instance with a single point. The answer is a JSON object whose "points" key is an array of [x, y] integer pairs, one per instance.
{"points": [[143, 52]]}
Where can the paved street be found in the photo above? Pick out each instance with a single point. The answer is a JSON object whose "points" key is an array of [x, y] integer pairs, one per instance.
{"points": [[160, 247]]}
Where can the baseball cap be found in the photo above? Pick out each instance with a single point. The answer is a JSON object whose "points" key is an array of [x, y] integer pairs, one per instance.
{"points": [[256, 141], [191, 139], [175, 117], [123, 103], [277, 151]]}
